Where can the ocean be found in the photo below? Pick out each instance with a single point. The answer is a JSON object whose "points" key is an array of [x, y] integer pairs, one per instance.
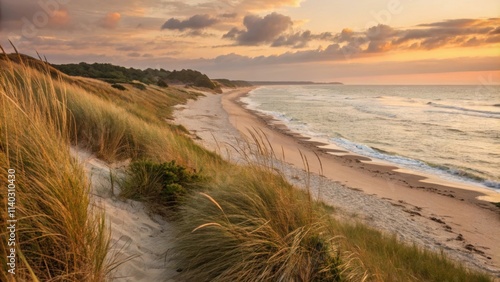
{"points": [[449, 131]]}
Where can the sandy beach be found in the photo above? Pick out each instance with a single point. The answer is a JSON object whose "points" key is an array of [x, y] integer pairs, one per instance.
{"points": [[435, 214]]}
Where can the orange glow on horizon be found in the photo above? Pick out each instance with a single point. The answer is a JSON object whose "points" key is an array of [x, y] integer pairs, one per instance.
{"points": [[448, 78]]}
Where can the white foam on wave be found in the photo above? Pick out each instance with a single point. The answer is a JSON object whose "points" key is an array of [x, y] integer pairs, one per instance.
{"points": [[411, 164], [304, 129]]}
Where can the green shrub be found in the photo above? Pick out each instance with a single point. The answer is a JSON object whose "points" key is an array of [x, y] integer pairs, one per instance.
{"points": [[164, 183], [139, 86], [118, 86], [162, 83]]}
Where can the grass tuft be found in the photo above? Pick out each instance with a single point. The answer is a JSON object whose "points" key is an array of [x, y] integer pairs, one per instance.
{"points": [[257, 227], [60, 237]]}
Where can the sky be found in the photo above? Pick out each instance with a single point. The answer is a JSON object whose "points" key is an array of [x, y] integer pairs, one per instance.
{"points": [[355, 42]]}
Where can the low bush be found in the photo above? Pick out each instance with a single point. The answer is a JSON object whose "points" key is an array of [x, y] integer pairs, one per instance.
{"points": [[139, 86], [162, 183], [162, 83], [118, 86]]}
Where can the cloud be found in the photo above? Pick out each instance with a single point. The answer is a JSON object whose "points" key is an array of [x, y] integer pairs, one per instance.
{"points": [[496, 30], [296, 40], [14, 10], [259, 30], [378, 46], [274, 29], [349, 44], [461, 23], [232, 34], [197, 33], [134, 54], [300, 39], [59, 18], [444, 33], [450, 33], [333, 52], [229, 15], [110, 21], [380, 32], [234, 62], [194, 22], [14, 14], [493, 39], [128, 48], [345, 35]]}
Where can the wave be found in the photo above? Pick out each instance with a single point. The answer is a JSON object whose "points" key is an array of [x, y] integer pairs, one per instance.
{"points": [[448, 172], [463, 109], [471, 114], [370, 152], [354, 112], [492, 184]]}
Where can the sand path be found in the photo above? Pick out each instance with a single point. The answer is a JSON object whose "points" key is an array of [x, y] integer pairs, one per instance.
{"points": [[139, 241]]}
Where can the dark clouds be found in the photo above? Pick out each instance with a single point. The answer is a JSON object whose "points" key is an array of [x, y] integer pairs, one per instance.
{"points": [[349, 44], [134, 54], [456, 23], [300, 39], [229, 15], [260, 30], [11, 10], [14, 14], [296, 40], [344, 36], [275, 30], [194, 22], [331, 53]]}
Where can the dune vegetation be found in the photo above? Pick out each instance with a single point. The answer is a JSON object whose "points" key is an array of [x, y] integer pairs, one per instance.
{"points": [[235, 222], [60, 237]]}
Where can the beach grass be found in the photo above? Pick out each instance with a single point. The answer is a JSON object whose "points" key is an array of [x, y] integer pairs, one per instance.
{"points": [[246, 224], [59, 235], [257, 227], [388, 259]]}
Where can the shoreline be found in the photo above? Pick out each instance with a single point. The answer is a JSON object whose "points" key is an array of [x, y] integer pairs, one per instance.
{"points": [[381, 197], [477, 221], [416, 179]]}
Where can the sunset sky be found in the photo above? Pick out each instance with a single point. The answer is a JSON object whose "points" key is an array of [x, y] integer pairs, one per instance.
{"points": [[370, 42]]}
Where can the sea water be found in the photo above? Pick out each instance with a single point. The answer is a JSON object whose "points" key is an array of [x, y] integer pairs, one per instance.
{"points": [[452, 131]]}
